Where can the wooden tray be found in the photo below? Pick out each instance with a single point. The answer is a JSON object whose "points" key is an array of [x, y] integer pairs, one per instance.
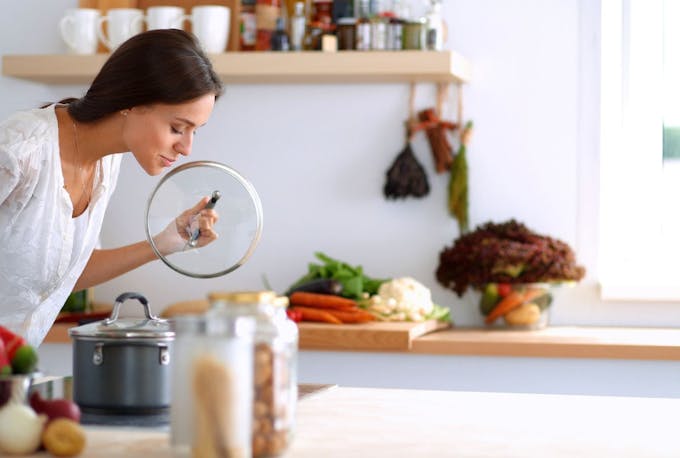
{"points": [[379, 336]]}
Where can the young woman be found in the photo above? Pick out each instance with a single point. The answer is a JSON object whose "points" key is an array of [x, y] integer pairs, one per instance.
{"points": [[59, 166]]}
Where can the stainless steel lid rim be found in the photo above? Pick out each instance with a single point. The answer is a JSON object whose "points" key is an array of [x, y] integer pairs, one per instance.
{"points": [[126, 339]]}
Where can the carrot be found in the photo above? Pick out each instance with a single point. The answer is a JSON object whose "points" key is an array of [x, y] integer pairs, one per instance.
{"points": [[323, 301], [312, 314], [512, 301], [352, 316]]}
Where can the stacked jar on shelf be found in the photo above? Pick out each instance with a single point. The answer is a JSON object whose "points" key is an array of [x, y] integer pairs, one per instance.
{"points": [[330, 25]]}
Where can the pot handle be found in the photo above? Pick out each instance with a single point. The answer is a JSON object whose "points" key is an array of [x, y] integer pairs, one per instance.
{"points": [[122, 298]]}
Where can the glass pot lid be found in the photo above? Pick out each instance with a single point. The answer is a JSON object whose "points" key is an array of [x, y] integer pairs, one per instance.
{"points": [[238, 227]]}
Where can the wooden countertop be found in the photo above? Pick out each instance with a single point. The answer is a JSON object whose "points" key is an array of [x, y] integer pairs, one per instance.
{"points": [[357, 422], [556, 342], [552, 342]]}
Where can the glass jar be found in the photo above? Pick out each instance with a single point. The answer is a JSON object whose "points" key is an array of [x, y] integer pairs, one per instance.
{"points": [[212, 385], [274, 368], [516, 305], [312, 39], [415, 34], [266, 13], [346, 32]]}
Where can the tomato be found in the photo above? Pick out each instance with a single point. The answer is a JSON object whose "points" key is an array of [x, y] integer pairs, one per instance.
{"points": [[12, 341], [504, 289], [294, 315], [5, 366]]}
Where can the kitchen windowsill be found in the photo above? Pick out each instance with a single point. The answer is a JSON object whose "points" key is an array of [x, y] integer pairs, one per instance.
{"points": [[552, 342]]}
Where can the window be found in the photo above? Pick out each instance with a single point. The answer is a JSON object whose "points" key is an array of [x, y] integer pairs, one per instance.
{"points": [[640, 150]]}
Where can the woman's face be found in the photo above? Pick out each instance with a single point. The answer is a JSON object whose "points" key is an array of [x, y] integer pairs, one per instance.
{"points": [[157, 135]]}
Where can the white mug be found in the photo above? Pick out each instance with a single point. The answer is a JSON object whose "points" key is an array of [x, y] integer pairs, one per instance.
{"points": [[78, 29], [123, 23], [164, 17], [210, 24]]}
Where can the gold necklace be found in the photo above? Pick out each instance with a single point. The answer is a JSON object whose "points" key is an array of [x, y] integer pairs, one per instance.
{"points": [[79, 172]]}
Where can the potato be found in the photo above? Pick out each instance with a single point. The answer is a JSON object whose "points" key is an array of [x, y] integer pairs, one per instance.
{"points": [[64, 437], [524, 315]]}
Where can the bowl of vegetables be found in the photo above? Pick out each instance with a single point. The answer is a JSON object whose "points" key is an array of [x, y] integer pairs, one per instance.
{"points": [[512, 271], [516, 305]]}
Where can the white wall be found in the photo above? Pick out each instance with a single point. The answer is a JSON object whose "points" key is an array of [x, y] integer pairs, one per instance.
{"points": [[317, 156]]}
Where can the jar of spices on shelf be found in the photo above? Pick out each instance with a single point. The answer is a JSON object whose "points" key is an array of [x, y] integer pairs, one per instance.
{"points": [[297, 27], [415, 34], [266, 14], [342, 9], [395, 34], [280, 40], [435, 26], [248, 25], [322, 12], [379, 33], [313, 37], [362, 40], [274, 369], [346, 32]]}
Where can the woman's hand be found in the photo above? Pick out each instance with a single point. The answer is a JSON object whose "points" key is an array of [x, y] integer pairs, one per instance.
{"points": [[176, 236]]}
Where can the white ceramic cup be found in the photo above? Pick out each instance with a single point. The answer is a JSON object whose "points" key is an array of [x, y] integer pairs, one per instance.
{"points": [[78, 29], [122, 23], [164, 17], [210, 24]]}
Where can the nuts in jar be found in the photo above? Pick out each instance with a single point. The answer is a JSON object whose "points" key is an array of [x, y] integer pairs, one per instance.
{"points": [[274, 367]]}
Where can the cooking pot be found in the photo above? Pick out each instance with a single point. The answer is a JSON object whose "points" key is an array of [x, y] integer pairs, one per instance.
{"points": [[123, 365]]}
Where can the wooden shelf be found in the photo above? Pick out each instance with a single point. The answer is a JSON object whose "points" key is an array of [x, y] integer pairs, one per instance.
{"points": [[556, 342], [269, 67]]}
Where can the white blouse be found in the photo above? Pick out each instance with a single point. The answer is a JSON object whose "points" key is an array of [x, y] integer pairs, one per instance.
{"points": [[43, 249]]}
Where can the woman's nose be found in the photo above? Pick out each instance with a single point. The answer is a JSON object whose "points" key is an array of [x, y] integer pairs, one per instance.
{"points": [[183, 147]]}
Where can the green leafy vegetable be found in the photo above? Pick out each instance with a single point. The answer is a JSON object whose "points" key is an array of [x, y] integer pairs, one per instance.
{"points": [[355, 284], [440, 313]]}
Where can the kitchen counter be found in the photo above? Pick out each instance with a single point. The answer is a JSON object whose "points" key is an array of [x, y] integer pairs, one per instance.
{"points": [[358, 422], [416, 338]]}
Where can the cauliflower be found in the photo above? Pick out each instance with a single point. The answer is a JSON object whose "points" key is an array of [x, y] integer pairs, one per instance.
{"points": [[402, 299]]}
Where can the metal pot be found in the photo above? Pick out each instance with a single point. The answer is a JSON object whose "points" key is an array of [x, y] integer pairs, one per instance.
{"points": [[123, 365]]}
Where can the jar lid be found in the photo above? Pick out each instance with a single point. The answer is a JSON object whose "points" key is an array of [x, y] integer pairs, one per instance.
{"points": [[113, 328], [242, 297], [220, 299]]}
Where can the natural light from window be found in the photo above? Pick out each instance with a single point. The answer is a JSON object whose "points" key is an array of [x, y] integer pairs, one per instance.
{"points": [[640, 150]]}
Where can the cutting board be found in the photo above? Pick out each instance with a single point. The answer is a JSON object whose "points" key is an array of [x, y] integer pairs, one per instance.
{"points": [[376, 336], [125, 442]]}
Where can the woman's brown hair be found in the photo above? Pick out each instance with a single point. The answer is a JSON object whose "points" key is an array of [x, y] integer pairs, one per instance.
{"points": [[159, 66]]}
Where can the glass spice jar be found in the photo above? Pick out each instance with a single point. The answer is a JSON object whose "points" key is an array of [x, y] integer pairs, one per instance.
{"points": [[346, 33], [274, 368], [415, 34], [312, 39], [266, 13]]}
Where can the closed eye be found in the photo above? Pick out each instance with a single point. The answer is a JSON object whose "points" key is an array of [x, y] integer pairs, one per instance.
{"points": [[176, 131]]}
